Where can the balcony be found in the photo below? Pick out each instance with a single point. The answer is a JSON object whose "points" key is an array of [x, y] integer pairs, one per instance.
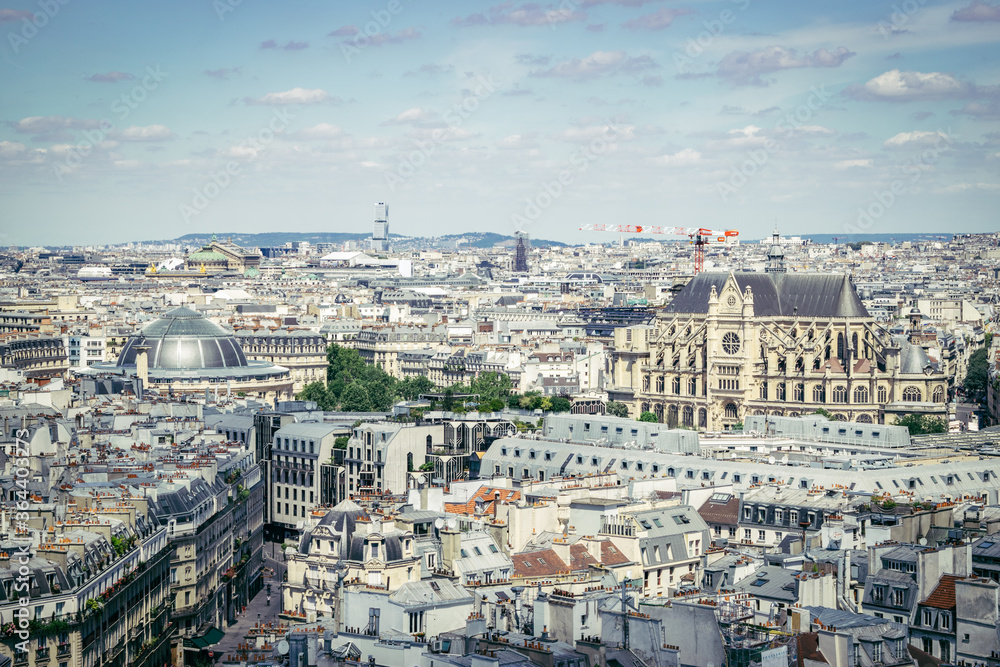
{"points": [[42, 653], [64, 650]]}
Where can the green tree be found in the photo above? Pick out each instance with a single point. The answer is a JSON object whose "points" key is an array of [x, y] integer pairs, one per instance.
{"points": [[411, 388], [316, 391], [978, 375], [355, 398], [648, 417], [616, 409], [491, 386], [340, 442], [824, 413], [922, 424], [561, 404]]}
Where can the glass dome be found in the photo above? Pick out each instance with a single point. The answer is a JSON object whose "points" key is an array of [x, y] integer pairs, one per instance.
{"points": [[183, 338]]}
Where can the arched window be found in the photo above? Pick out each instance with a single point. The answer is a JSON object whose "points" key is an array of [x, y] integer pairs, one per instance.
{"points": [[644, 408], [863, 419], [819, 394], [672, 416], [883, 395], [861, 394], [800, 393], [409, 459], [658, 411], [692, 386], [675, 386], [781, 366], [838, 417], [854, 343], [645, 383], [841, 352], [911, 394], [429, 442], [659, 385], [732, 412], [779, 392], [763, 391], [840, 394], [938, 395], [702, 418], [688, 416], [800, 365]]}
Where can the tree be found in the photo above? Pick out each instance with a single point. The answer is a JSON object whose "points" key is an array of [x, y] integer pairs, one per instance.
{"points": [[824, 413], [411, 388], [561, 404], [340, 442], [978, 375], [648, 417], [316, 391], [355, 398], [616, 409], [922, 424]]}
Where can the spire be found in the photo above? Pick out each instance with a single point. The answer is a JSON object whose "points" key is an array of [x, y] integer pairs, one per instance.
{"points": [[776, 255]]}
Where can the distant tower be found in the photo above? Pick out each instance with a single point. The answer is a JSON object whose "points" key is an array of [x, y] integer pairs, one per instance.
{"points": [[776, 255], [520, 256], [380, 233]]}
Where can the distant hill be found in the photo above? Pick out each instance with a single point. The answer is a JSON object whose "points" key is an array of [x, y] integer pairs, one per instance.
{"points": [[875, 238], [270, 239]]}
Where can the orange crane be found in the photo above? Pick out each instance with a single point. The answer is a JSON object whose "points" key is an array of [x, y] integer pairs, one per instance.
{"points": [[700, 236]]}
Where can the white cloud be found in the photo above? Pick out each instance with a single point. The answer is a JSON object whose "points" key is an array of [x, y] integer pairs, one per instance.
{"points": [[597, 64], [148, 133], [320, 131], [918, 139], [295, 96], [9, 149], [853, 164], [898, 86], [683, 158]]}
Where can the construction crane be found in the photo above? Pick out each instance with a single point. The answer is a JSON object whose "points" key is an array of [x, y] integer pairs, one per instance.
{"points": [[700, 236]]}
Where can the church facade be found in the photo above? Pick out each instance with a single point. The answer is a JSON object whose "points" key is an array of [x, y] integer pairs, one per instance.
{"points": [[738, 344]]}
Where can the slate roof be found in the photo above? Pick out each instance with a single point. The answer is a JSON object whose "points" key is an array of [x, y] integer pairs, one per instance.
{"points": [[778, 294]]}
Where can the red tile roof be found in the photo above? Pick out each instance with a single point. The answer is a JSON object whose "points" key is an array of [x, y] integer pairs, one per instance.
{"points": [[727, 513], [580, 558], [612, 555], [538, 564], [484, 494], [943, 595]]}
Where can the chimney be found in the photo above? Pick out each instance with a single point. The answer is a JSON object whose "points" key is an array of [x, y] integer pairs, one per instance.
{"points": [[451, 543], [142, 364]]}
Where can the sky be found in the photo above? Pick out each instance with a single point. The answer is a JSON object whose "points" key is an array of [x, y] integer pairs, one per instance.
{"points": [[126, 121]]}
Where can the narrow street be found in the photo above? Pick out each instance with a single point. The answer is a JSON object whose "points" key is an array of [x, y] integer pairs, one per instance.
{"points": [[257, 609]]}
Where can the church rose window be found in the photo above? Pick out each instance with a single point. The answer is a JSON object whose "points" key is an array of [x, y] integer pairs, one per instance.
{"points": [[731, 343]]}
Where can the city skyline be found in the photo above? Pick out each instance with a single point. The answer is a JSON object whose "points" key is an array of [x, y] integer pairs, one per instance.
{"points": [[153, 122]]}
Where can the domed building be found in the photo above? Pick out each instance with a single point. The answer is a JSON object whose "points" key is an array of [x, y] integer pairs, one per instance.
{"points": [[183, 352]]}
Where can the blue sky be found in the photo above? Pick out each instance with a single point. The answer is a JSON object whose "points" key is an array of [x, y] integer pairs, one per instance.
{"points": [[130, 121]]}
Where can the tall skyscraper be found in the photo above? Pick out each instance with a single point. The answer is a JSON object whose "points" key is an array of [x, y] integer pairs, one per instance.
{"points": [[521, 256], [380, 232]]}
